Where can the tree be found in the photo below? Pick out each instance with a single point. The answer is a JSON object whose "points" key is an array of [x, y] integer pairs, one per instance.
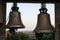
{"points": [[15, 36], [19, 36]]}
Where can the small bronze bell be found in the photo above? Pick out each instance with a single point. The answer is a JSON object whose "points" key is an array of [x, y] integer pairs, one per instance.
{"points": [[43, 24], [15, 18]]}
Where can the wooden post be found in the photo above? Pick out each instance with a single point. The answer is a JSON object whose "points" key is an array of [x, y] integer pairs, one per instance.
{"points": [[57, 20], [2, 19]]}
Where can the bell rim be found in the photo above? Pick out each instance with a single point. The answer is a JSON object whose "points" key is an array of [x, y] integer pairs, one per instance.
{"points": [[15, 26]]}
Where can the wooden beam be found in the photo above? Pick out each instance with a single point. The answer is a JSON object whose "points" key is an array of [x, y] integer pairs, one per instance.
{"points": [[33, 1]]}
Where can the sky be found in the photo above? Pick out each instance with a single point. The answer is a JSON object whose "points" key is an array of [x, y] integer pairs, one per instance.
{"points": [[29, 13]]}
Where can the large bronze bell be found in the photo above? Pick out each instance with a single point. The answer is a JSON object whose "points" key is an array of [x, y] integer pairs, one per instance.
{"points": [[15, 18], [43, 24]]}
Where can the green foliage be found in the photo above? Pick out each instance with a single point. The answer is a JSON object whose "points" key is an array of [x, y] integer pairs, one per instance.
{"points": [[12, 37], [23, 36], [19, 36], [45, 36]]}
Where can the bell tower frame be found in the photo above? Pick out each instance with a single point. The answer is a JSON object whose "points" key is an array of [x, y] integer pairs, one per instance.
{"points": [[3, 11]]}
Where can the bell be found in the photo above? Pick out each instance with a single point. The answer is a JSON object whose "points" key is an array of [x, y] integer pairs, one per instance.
{"points": [[43, 24], [15, 18]]}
